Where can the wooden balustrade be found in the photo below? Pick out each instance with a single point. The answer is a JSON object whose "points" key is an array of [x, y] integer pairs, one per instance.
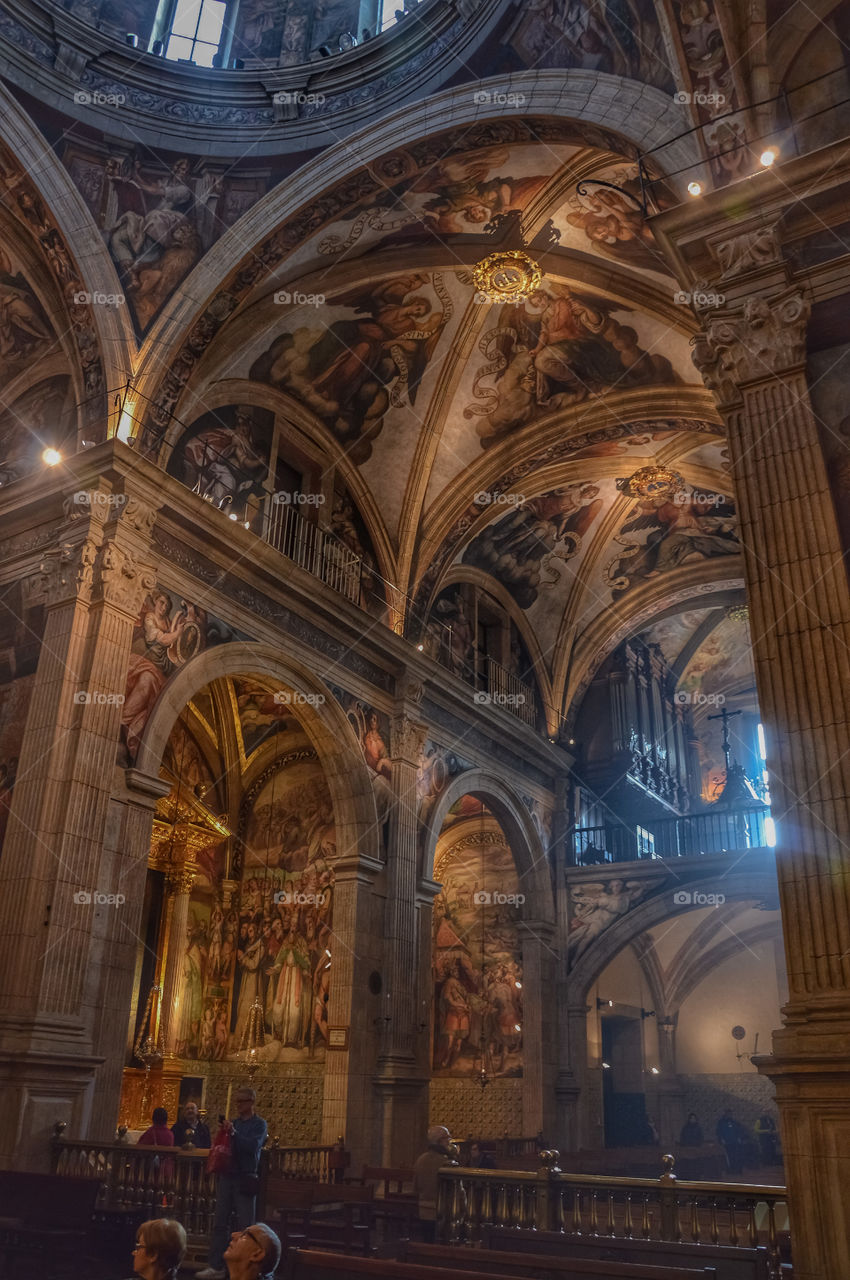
{"points": [[173, 1181], [709, 1213]]}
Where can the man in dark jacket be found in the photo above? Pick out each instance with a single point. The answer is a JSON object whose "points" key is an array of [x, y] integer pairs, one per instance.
{"points": [[191, 1130], [236, 1190], [731, 1135], [426, 1178]]}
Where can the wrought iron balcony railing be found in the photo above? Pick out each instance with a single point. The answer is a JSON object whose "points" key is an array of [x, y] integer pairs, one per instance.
{"points": [[714, 831]]}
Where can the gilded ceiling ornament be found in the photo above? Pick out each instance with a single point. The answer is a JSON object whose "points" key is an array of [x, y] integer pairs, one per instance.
{"points": [[738, 613], [508, 276], [654, 484]]}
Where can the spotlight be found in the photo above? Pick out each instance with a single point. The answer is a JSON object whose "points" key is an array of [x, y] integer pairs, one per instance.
{"points": [[518, 986], [156, 48], [88, 444], [604, 1004], [768, 156], [420, 647], [606, 1066], [694, 188], [654, 1071], [233, 516], [132, 39], [324, 51], [51, 457], [347, 41], [365, 35], [238, 64], [517, 1027]]}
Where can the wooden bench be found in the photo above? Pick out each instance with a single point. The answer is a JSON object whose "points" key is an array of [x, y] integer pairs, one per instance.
{"points": [[45, 1216], [729, 1261], [330, 1215], [544, 1266], [396, 1207]]}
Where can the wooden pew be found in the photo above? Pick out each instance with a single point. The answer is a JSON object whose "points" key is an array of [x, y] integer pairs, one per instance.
{"points": [[398, 1208], [46, 1216], [729, 1261], [544, 1266], [330, 1215]]}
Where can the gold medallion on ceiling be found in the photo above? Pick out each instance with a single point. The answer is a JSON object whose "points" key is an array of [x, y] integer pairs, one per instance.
{"points": [[508, 276], [738, 613], [654, 484]]}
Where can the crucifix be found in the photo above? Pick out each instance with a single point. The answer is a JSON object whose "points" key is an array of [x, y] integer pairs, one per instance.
{"points": [[725, 716]]}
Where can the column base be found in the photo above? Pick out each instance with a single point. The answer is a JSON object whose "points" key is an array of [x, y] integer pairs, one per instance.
{"points": [[404, 1105], [47, 1075], [811, 1072]]}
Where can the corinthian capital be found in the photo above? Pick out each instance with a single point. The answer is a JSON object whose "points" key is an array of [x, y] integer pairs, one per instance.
{"points": [[764, 339], [123, 580], [408, 738]]}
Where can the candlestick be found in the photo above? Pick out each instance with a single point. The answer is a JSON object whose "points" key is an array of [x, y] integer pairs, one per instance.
{"points": [[227, 1104]]}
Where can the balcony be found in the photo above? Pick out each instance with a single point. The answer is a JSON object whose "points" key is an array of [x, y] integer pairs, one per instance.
{"points": [[715, 831], [316, 550]]}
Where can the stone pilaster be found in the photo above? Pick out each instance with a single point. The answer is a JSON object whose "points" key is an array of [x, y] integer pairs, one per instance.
{"points": [[753, 357], [568, 1079], [538, 1070], [179, 881], [61, 905], [399, 1078]]}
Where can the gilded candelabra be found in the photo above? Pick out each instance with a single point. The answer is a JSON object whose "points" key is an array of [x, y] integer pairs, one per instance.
{"points": [[149, 1047]]}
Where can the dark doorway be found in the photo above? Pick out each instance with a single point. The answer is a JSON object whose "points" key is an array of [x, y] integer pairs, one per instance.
{"points": [[623, 1099]]}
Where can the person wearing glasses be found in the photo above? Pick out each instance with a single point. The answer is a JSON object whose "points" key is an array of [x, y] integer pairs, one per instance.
{"points": [[253, 1254], [160, 1246], [236, 1190]]}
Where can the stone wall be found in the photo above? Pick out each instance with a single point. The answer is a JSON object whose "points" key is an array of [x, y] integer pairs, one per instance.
{"points": [[746, 1095]]}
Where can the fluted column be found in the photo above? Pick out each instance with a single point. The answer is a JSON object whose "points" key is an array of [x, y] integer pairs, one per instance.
{"points": [[399, 1077], [61, 902], [539, 1046], [179, 881], [753, 357]]}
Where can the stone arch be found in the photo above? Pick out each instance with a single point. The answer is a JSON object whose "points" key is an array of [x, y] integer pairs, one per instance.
{"points": [[116, 338], [755, 882], [324, 722], [518, 829]]}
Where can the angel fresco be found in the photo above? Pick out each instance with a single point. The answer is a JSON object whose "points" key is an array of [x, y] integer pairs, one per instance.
{"points": [[596, 905], [552, 351], [660, 534], [467, 193], [521, 549], [159, 229], [620, 37], [615, 225], [351, 371]]}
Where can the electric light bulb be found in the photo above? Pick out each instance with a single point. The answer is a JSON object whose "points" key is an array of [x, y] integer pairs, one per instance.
{"points": [[694, 188]]}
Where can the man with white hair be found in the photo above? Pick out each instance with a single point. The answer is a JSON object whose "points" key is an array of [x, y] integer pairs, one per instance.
{"points": [[426, 1178], [253, 1254]]}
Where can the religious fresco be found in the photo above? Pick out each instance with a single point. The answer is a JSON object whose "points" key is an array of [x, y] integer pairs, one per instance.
{"points": [[553, 351], [346, 523], [519, 549], [360, 354], [26, 333], [594, 906], [477, 953], [597, 219], [224, 457], [118, 17], [286, 32], [42, 415], [168, 634], [158, 214], [261, 714], [619, 37], [666, 530]]}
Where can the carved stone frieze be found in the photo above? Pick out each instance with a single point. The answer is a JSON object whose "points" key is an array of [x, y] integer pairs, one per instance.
{"points": [[67, 571], [124, 581], [747, 251], [764, 339]]}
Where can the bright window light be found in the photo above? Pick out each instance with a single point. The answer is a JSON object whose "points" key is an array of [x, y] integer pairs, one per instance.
{"points": [[196, 31], [762, 750], [388, 10], [770, 833]]}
